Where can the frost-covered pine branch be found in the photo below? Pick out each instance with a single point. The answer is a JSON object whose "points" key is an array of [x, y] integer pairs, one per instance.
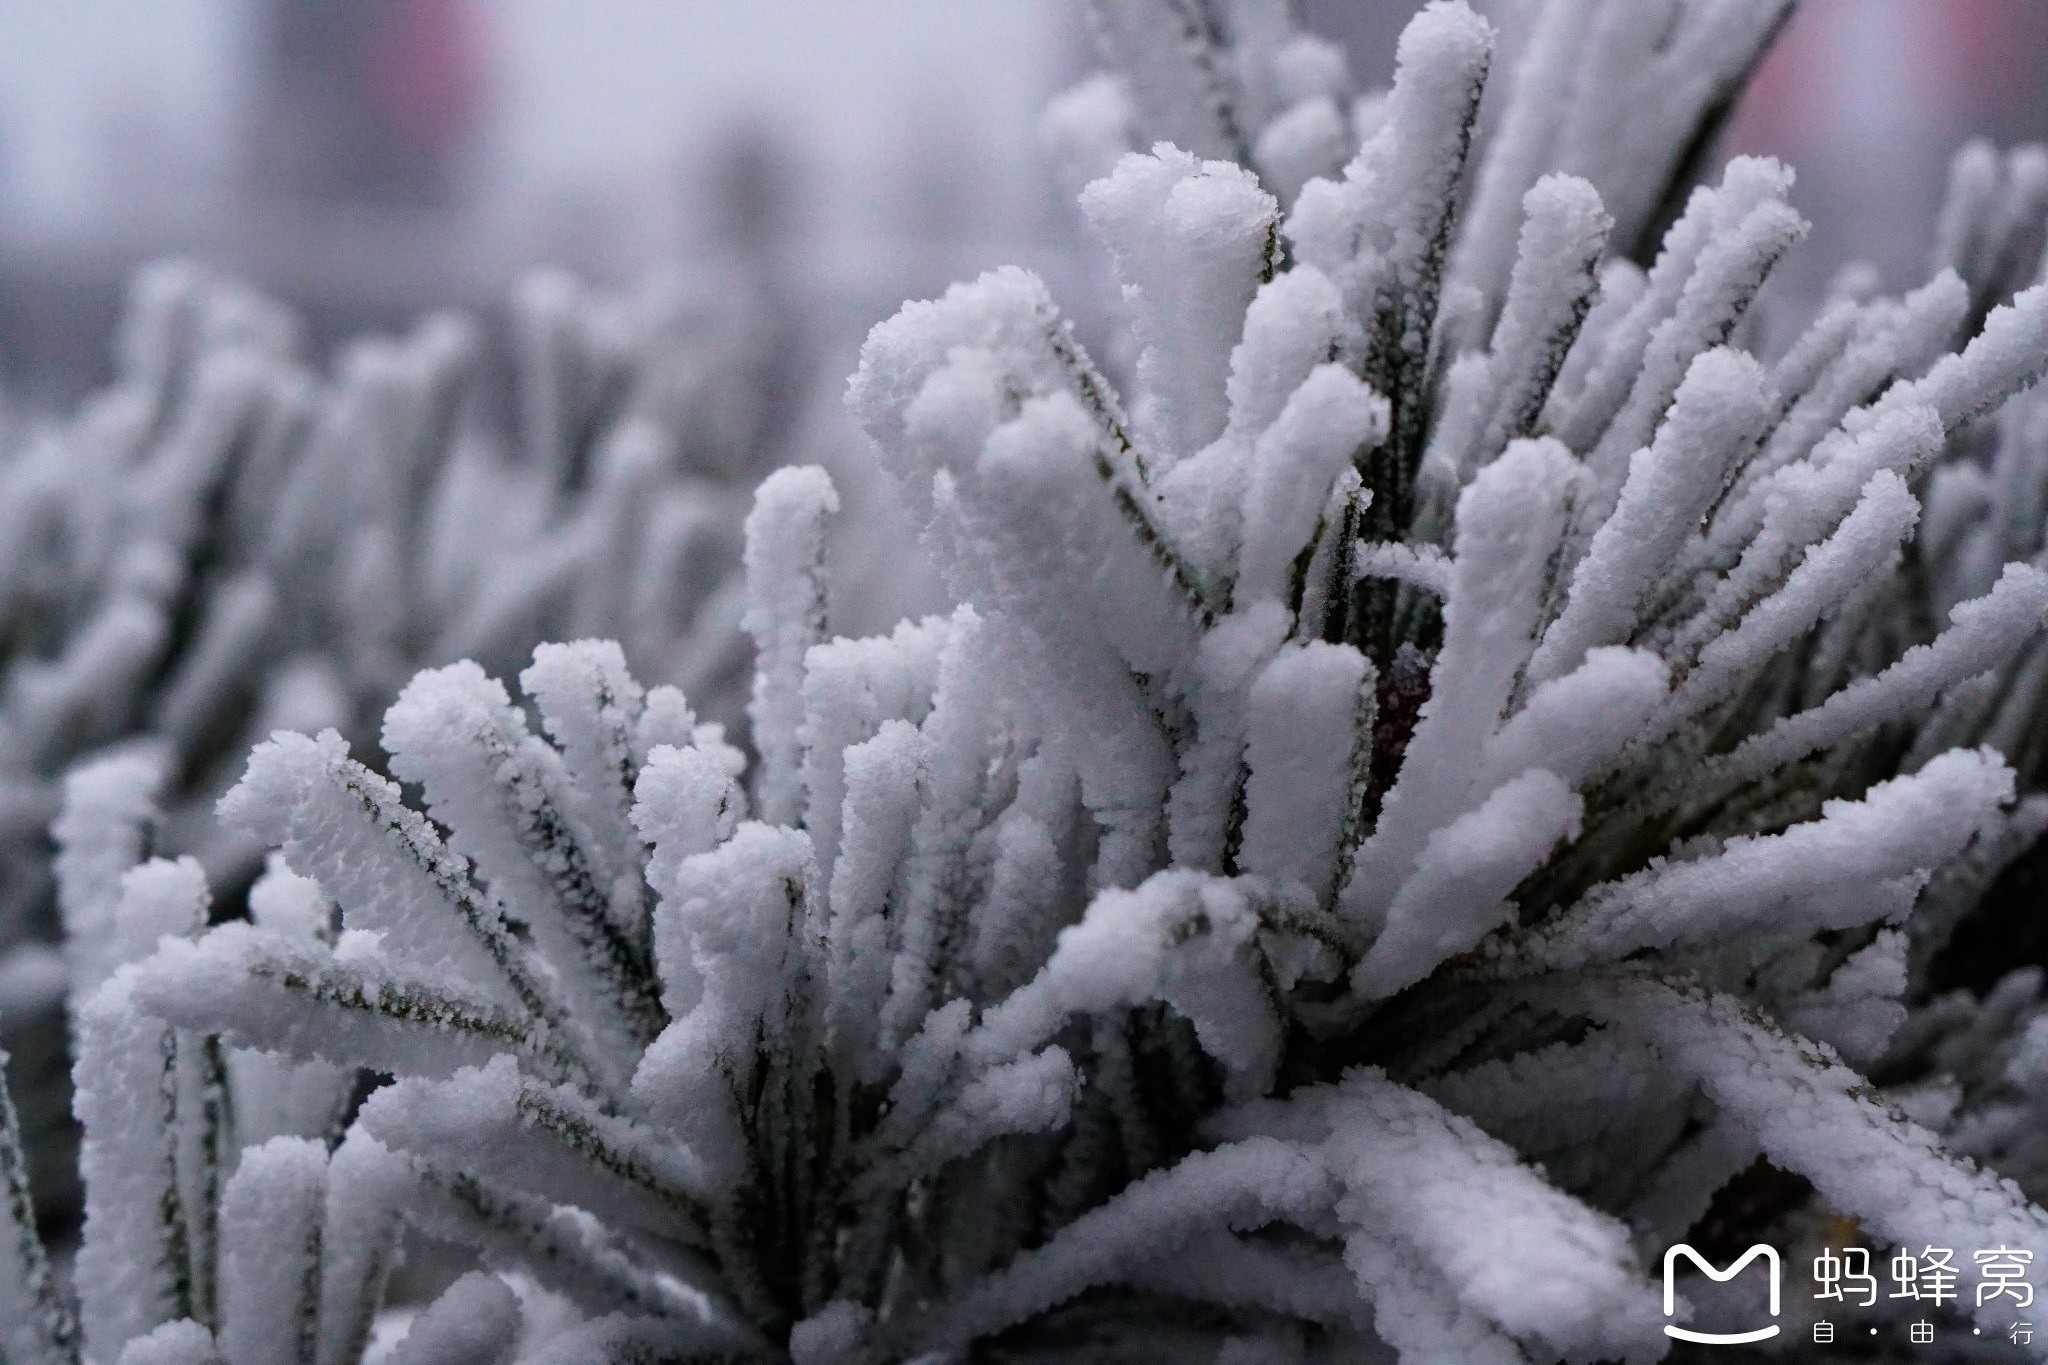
{"points": [[1452, 770], [1687, 695], [1966, 1066], [226, 542]]}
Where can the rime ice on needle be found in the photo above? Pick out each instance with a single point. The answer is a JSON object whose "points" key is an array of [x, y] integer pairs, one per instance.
{"points": [[1458, 683]]}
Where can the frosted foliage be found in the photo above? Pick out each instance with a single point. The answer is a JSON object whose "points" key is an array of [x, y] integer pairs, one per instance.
{"points": [[1190, 240], [474, 1322], [270, 1216], [204, 545], [230, 540], [183, 1342], [39, 1323], [133, 1261], [1450, 765], [1608, 585]]}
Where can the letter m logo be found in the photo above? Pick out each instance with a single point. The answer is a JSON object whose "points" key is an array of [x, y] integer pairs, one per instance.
{"points": [[1770, 1255]]}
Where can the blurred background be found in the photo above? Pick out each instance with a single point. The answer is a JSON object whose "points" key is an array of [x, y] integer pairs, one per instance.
{"points": [[365, 160]]}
